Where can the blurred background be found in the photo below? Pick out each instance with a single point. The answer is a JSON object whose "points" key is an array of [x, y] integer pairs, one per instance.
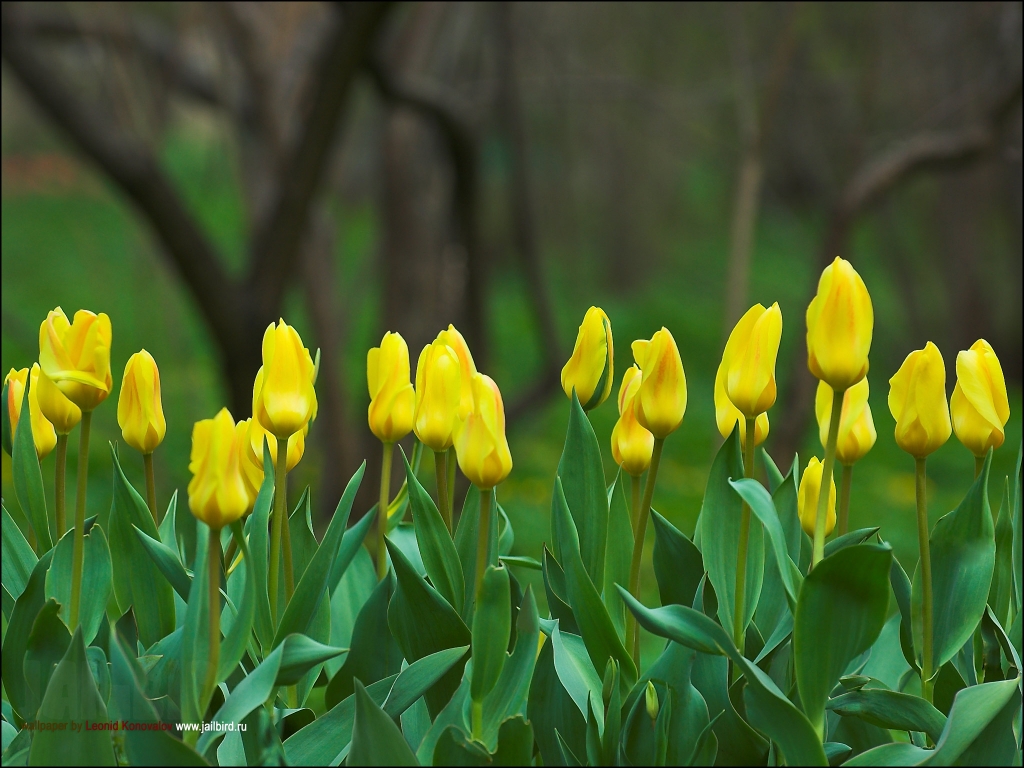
{"points": [[198, 170]]}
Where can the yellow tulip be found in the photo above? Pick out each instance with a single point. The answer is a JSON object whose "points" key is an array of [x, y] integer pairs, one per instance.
{"points": [[807, 498], [590, 370], [467, 367], [631, 444], [255, 434], [839, 324], [286, 400], [58, 410], [252, 470], [856, 427], [438, 395], [728, 415], [749, 360], [979, 404], [392, 398], [43, 434], [76, 356], [140, 413], [217, 492], [917, 400], [480, 443], [661, 401]]}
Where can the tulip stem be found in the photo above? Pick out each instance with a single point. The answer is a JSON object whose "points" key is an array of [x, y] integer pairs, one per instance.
{"points": [[634, 510], [738, 628], [213, 576], [632, 628], [844, 500], [147, 460], [382, 510], [441, 474], [281, 485], [61, 456], [273, 576], [483, 540], [450, 461], [818, 551], [78, 556], [979, 464], [926, 578]]}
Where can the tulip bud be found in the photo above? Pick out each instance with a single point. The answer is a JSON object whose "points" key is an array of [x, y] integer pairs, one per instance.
{"points": [[631, 444], [590, 370], [480, 443], [254, 437], [839, 325], [76, 356], [749, 360], [43, 434], [610, 677], [286, 400], [917, 400], [661, 401], [392, 398], [979, 404], [58, 410], [217, 492], [139, 411], [252, 467], [438, 395], [727, 415], [856, 427], [807, 498], [651, 701], [467, 367]]}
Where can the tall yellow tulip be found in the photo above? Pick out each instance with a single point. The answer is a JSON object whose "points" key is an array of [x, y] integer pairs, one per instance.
{"points": [[217, 492], [807, 498], [467, 367], [631, 443], [591, 369], [438, 401], [252, 467], [140, 415], [63, 414], [917, 400], [727, 415], [43, 434], [749, 359], [256, 434], [979, 405], [286, 400], [856, 435], [840, 320]]}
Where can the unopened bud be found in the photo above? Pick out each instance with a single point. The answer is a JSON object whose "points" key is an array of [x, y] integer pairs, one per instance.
{"points": [[652, 701]]}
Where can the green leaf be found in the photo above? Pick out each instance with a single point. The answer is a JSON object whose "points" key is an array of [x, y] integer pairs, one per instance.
{"points": [[312, 587], [72, 696], [455, 713], [720, 518], [619, 552], [841, 610], [576, 672], [902, 590], [582, 474], [999, 594], [678, 565], [515, 742], [236, 639], [552, 710], [522, 561], [143, 746], [96, 575], [568, 756], [376, 740], [418, 677], [137, 581], [492, 622], [28, 478], [554, 587], [46, 646], [195, 635], [771, 469], [257, 526], [166, 529], [596, 628], [509, 696], [440, 558], [167, 561], [466, 543], [1018, 534], [423, 623], [681, 624], [302, 653], [890, 709], [898, 753], [18, 559], [455, 748], [19, 629], [348, 597]]}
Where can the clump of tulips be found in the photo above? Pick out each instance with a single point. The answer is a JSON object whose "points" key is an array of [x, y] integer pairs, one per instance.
{"points": [[407, 638]]}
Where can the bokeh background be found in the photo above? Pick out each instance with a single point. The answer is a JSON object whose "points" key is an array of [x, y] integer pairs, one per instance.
{"points": [[197, 170]]}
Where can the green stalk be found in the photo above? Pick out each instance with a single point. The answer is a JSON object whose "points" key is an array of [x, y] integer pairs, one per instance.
{"points": [[279, 522], [818, 551], [213, 573], [451, 461], [441, 475], [926, 578], [844, 500], [979, 464], [634, 510], [281, 482], [147, 460], [61, 456], [632, 628], [738, 630], [484, 533], [78, 556], [382, 510], [477, 710]]}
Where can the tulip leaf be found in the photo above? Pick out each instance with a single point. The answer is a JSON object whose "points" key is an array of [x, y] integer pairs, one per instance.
{"points": [[842, 607], [138, 582], [771, 469], [596, 627], [46, 646], [311, 588], [554, 587], [413, 681], [455, 747], [257, 526], [168, 563], [96, 575], [890, 709], [19, 629], [849, 539], [466, 543], [195, 650], [678, 566], [720, 519], [619, 551], [376, 740], [576, 672], [348, 597], [28, 478], [682, 624], [18, 559], [168, 525], [553, 711], [1018, 538], [963, 552], [582, 474], [440, 558], [236, 639], [492, 621], [72, 697], [999, 594], [423, 623]]}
